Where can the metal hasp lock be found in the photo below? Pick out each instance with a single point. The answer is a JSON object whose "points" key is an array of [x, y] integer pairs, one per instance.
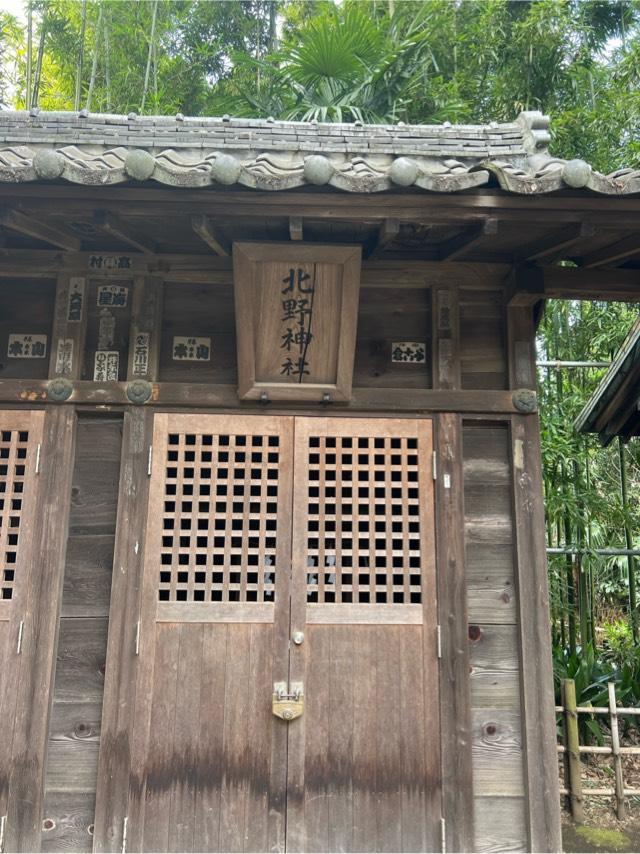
{"points": [[288, 705]]}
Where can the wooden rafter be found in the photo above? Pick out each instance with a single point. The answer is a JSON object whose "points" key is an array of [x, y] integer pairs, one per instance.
{"points": [[115, 227], [462, 243], [296, 226], [387, 233], [212, 236], [552, 245], [618, 251], [23, 224]]}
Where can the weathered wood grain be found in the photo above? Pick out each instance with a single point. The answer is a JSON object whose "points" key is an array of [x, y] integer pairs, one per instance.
{"points": [[68, 822], [500, 825], [34, 693], [452, 597], [113, 771], [541, 777], [27, 309], [497, 752]]}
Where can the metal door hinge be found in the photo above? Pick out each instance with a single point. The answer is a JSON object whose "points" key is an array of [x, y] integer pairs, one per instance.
{"points": [[20, 636], [137, 641], [149, 460], [3, 824], [287, 704], [125, 822], [443, 835], [38, 450], [439, 640], [434, 464]]}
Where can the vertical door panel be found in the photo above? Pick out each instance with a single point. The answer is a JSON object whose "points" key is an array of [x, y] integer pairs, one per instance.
{"points": [[208, 757], [20, 435], [363, 768]]}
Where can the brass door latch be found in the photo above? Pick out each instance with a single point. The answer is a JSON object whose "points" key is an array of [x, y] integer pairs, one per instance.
{"points": [[288, 704]]}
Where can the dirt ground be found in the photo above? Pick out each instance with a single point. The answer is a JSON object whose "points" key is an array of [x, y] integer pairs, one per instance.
{"points": [[602, 831]]}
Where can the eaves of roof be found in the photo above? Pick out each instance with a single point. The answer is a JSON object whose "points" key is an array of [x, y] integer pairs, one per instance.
{"points": [[265, 154], [625, 364]]}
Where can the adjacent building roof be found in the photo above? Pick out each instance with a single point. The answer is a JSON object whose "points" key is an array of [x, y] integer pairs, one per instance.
{"points": [[265, 154], [613, 409]]}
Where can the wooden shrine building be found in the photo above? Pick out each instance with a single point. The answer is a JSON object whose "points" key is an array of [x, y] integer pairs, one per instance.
{"points": [[272, 553], [614, 408]]}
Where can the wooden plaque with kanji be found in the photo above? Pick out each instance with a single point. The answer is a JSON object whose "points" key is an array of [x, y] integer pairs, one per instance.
{"points": [[296, 317]]}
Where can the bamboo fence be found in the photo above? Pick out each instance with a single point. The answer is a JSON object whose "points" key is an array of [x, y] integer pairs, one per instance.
{"points": [[571, 750]]}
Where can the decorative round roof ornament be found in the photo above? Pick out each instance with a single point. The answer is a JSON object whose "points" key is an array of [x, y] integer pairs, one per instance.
{"points": [[139, 164], [403, 171], [59, 389], [318, 169], [226, 169], [139, 391], [576, 173], [49, 164]]}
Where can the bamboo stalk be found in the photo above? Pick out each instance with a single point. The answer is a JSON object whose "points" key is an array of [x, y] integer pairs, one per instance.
{"points": [[615, 749], [629, 542], [573, 750]]}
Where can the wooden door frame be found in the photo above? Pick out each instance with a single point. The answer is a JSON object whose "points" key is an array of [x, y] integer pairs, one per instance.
{"points": [[41, 610], [455, 693]]}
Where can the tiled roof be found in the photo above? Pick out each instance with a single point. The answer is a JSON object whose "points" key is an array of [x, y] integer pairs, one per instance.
{"points": [[267, 154]]}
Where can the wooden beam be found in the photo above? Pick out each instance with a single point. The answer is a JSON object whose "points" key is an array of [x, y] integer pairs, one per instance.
{"points": [[69, 327], [209, 396], [16, 221], [528, 285], [554, 244], [618, 251], [466, 240], [542, 802], [455, 699], [387, 233], [123, 231], [296, 228], [211, 235]]}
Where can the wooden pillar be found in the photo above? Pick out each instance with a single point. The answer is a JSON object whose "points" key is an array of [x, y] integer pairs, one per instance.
{"points": [[457, 783], [118, 705], [144, 335], [522, 354], [538, 704], [446, 338], [40, 631], [69, 327]]}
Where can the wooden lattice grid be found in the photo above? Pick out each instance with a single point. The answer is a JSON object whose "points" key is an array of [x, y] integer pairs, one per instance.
{"points": [[363, 520], [219, 518], [14, 447]]}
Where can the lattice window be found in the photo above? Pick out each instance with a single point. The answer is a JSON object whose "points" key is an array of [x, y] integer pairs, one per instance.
{"points": [[13, 465], [363, 523], [219, 519]]}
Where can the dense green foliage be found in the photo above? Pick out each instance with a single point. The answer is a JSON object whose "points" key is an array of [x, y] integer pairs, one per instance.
{"points": [[376, 60], [415, 61]]}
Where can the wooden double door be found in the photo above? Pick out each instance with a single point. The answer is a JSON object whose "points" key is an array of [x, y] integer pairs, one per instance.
{"points": [[287, 556]]}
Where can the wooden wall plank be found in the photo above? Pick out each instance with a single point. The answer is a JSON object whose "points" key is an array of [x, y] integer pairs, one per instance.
{"points": [[452, 598], [40, 632], [500, 825], [497, 752], [68, 823], [541, 774], [25, 309], [446, 338], [483, 344], [114, 763]]}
